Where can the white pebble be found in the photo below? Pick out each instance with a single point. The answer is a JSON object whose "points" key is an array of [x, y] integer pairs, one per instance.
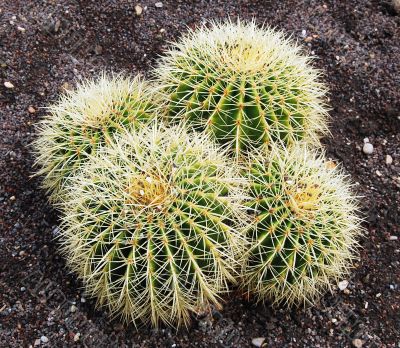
{"points": [[8, 84], [76, 337], [257, 342], [389, 159], [73, 309], [343, 284], [393, 238], [378, 173], [138, 10], [357, 343], [368, 148], [304, 33], [366, 140], [378, 295], [44, 339], [158, 4]]}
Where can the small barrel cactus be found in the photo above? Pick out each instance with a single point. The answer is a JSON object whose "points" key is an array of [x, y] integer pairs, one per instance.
{"points": [[248, 86], [304, 229], [86, 118], [152, 225]]}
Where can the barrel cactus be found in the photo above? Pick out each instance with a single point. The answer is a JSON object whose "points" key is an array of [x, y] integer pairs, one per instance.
{"points": [[305, 226], [86, 118], [152, 225], [246, 85]]}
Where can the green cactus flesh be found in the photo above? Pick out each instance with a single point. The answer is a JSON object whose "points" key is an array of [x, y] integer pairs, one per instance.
{"points": [[85, 119], [152, 226], [304, 229], [246, 86]]}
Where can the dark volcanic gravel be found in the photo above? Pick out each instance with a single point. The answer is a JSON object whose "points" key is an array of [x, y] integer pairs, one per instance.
{"points": [[45, 46]]}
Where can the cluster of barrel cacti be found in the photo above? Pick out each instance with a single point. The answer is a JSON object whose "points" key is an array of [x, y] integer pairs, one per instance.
{"points": [[205, 178]]}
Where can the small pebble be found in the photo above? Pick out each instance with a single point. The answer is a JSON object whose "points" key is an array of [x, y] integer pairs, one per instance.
{"points": [[138, 10], [393, 238], [378, 173], [98, 49], [343, 284], [37, 342], [159, 4], [57, 25], [76, 337], [330, 165], [8, 84], [366, 140], [357, 343], [23, 288], [73, 309], [44, 339], [31, 110], [65, 86], [21, 29], [389, 159], [258, 342], [334, 320], [83, 300], [368, 148], [378, 295], [396, 5]]}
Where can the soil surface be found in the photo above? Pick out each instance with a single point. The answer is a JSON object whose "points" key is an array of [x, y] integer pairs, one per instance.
{"points": [[46, 46]]}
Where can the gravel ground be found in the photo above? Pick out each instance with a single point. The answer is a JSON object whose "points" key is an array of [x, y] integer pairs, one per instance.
{"points": [[46, 46]]}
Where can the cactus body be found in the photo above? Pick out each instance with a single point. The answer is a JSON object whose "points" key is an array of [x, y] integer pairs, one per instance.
{"points": [[246, 85], [304, 227], [152, 224], [84, 119]]}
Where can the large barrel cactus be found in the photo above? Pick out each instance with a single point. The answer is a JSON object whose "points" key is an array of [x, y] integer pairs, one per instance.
{"points": [[304, 228], [246, 85], [151, 225], [86, 118]]}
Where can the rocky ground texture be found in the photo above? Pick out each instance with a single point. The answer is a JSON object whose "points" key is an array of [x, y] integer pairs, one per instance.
{"points": [[46, 46]]}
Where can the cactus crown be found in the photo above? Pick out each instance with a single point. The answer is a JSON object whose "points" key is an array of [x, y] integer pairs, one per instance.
{"points": [[305, 226], [248, 86], [151, 225], [86, 118]]}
